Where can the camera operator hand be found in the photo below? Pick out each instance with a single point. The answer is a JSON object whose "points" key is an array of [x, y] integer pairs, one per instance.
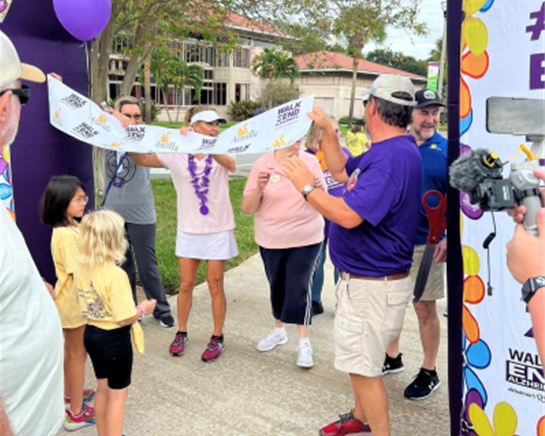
{"points": [[518, 212]]}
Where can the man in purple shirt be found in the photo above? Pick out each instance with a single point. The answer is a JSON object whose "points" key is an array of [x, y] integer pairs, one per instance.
{"points": [[372, 239]]}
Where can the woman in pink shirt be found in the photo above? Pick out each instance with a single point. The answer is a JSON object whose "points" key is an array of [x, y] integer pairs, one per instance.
{"points": [[289, 233], [205, 224]]}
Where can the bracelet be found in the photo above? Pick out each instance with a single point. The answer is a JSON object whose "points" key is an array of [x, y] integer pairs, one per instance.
{"points": [[143, 312]]}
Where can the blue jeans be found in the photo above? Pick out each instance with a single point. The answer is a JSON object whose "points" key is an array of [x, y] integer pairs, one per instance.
{"points": [[318, 277]]}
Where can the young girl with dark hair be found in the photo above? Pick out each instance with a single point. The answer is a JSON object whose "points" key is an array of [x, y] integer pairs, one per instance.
{"points": [[63, 206]]}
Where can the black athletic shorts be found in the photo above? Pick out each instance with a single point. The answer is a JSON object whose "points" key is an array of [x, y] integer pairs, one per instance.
{"points": [[290, 272], [111, 354]]}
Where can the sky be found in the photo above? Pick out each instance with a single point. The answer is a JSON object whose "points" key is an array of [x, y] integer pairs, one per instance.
{"points": [[419, 47]]}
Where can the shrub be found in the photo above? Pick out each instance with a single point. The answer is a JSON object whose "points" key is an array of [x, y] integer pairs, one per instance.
{"points": [[277, 92], [240, 111], [344, 120]]}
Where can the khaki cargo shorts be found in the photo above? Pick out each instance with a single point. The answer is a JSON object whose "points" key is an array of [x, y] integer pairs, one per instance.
{"points": [[368, 316], [435, 287]]}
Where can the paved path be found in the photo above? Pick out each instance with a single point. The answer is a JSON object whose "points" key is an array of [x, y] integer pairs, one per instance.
{"points": [[247, 393]]}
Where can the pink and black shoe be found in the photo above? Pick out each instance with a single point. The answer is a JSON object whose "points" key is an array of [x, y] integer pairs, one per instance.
{"points": [[214, 349], [177, 348]]}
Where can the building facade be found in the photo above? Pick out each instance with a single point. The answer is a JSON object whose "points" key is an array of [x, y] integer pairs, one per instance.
{"points": [[328, 76]]}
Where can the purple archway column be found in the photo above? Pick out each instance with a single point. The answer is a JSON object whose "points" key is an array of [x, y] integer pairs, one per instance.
{"points": [[40, 151]]}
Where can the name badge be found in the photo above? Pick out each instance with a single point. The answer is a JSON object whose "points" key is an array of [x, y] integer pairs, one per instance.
{"points": [[275, 178]]}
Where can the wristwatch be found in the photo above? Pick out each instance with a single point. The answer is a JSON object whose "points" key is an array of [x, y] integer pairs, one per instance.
{"points": [[307, 189], [531, 286]]}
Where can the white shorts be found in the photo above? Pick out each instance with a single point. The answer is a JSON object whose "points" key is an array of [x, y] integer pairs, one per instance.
{"points": [[369, 315], [211, 246]]}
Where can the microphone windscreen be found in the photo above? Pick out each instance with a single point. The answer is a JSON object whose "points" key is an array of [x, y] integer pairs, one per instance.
{"points": [[468, 171]]}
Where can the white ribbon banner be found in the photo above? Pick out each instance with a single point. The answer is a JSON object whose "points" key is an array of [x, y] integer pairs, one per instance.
{"points": [[79, 117]]}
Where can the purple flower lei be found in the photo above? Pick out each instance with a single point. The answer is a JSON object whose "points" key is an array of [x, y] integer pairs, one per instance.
{"points": [[203, 183]]}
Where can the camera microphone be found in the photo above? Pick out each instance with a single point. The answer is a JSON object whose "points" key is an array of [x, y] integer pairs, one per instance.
{"points": [[473, 168]]}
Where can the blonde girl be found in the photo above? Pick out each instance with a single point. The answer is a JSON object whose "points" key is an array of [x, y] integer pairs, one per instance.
{"points": [[106, 301]]}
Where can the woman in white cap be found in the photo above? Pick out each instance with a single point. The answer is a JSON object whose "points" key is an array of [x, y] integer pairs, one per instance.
{"points": [[205, 224]]}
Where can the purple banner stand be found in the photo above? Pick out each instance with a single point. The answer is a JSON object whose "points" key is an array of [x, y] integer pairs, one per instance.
{"points": [[454, 250], [40, 151]]}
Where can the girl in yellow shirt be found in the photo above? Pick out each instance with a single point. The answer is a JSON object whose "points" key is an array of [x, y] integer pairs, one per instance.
{"points": [[63, 206], [356, 139], [105, 299]]}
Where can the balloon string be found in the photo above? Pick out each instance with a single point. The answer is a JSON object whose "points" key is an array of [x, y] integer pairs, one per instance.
{"points": [[88, 61]]}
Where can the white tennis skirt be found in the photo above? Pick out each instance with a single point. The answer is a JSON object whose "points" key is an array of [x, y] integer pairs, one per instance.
{"points": [[211, 246]]}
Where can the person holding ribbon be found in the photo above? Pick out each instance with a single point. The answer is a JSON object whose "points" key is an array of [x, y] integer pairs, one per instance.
{"points": [[205, 224], [289, 233], [314, 146]]}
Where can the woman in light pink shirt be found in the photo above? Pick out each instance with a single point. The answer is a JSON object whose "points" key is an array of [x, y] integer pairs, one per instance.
{"points": [[205, 224], [289, 232]]}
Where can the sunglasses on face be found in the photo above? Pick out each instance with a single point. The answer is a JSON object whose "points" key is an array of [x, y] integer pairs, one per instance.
{"points": [[134, 117], [23, 93]]}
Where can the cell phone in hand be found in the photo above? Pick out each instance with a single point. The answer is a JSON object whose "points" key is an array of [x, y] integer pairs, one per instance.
{"points": [[105, 105]]}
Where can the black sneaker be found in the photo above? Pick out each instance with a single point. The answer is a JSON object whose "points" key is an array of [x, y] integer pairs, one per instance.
{"points": [[317, 308], [423, 385], [393, 366], [166, 321]]}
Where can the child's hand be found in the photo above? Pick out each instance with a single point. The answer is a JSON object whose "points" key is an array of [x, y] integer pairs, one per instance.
{"points": [[149, 306]]}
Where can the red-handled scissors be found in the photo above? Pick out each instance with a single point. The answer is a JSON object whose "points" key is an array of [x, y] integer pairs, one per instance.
{"points": [[437, 225], [436, 216]]}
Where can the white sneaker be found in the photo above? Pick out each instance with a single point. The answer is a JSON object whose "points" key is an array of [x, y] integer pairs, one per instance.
{"points": [[272, 341], [305, 356]]}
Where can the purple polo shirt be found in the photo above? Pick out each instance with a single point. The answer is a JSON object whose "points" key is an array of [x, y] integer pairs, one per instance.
{"points": [[385, 190]]}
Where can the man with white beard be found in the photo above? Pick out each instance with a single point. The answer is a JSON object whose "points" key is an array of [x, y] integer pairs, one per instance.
{"points": [[433, 152], [31, 342]]}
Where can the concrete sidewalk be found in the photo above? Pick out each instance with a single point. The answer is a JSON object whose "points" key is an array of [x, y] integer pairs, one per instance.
{"points": [[248, 393]]}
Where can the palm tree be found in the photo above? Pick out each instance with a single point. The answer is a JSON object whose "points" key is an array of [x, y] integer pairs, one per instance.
{"points": [[184, 75], [274, 64], [162, 74]]}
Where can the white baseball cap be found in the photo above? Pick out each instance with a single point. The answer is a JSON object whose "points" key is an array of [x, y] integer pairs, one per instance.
{"points": [[207, 116], [11, 67], [386, 86]]}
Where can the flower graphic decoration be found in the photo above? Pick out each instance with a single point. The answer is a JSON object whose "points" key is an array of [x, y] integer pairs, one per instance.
{"points": [[541, 427], [475, 60], [505, 420], [476, 356], [474, 291], [6, 191], [466, 427]]}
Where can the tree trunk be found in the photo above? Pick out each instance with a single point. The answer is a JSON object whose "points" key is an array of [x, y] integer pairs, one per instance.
{"points": [[178, 106], [355, 64], [165, 99], [147, 88]]}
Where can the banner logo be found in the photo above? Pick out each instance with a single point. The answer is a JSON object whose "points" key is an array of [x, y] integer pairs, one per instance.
{"points": [[85, 130], [524, 369], [165, 143], [135, 133], [74, 101], [116, 144], [102, 122], [244, 134], [279, 142], [207, 144], [58, 114], [239, 149], [288, 114]]}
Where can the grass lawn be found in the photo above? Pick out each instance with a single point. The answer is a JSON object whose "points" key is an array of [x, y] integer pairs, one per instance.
{"points": [[165, 205]]}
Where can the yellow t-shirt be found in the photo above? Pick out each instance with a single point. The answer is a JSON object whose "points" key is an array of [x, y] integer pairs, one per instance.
{"points": [[63, 251], [105, 298], [356, 143]]}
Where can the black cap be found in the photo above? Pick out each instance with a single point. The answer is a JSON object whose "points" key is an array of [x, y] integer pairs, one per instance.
{"points": [[427, 97]]}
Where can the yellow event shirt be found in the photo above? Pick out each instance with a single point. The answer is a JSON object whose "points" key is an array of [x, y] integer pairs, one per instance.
{"points": [[105, 298], [63, 251], [357, 143]]}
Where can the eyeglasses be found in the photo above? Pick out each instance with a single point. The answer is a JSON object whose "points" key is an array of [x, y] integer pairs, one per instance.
{"points": [[134, 117], [337, 131], [23, 93], [84, 200]]}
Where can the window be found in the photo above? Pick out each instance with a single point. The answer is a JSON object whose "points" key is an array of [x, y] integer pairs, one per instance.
{"points": [[242, 58], [222, 59], [208, 74], [242, 92], [220, 93]]}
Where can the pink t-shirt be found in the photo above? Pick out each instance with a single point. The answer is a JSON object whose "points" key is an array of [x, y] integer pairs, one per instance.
{"points": [[220, 216], [284, 219]]}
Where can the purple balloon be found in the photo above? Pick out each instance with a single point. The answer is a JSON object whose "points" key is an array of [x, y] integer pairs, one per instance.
{"points": [[84, 19]]}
